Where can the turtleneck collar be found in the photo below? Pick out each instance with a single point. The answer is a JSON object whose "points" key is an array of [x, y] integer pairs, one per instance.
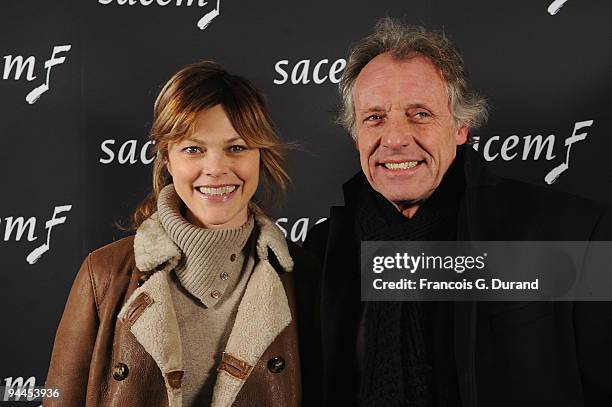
{"points": [[208, 254]]}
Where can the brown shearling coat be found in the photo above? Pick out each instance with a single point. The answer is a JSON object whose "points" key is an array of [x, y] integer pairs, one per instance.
{"points": [[118, 343]]}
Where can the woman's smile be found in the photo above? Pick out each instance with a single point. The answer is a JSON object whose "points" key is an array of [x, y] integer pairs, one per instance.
{"points": [[222, 193]]}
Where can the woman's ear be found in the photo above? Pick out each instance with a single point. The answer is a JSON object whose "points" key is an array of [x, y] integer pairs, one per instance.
{"points": [[168, 166], [166, 161]]}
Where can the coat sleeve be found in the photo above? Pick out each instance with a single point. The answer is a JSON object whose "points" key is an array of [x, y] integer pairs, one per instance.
{"points": [[307, 295], [593, 326], [74, 343]]}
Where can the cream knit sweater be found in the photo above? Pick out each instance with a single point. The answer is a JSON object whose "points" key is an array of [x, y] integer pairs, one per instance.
{"points": [[208, 285]]}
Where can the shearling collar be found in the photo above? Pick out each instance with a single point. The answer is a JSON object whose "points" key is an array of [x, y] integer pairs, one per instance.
{"points": [[263, 312], [155, 250]]}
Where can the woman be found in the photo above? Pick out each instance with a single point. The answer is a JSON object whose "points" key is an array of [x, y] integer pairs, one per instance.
{"points": [[199, 307]]}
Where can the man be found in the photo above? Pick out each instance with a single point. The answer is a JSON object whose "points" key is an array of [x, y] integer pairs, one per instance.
{"points": [[408, 107]]}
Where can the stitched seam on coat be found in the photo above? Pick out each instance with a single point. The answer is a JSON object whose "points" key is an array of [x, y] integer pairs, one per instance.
{"points": [[93, 284], [597, 223], [105, 289]]}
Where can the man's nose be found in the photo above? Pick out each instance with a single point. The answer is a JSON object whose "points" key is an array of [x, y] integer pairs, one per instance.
{"points": [[215, 164], [399, 133]]}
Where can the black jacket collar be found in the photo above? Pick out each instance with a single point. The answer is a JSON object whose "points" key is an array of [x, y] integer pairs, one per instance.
{"points": [[468, 170]]}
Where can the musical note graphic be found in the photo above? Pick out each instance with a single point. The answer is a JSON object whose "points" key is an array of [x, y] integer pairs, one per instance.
{"points": [[35, 93], [208, 17], [35, 254], [564, 166], [555, 6]]}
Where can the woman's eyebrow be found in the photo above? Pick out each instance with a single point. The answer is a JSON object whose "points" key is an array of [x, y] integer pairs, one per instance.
{"points": [[233, 139], [192, 140]]}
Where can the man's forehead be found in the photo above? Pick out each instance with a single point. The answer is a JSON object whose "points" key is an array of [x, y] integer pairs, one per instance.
{"points": [[388, 63], [386, 78]]}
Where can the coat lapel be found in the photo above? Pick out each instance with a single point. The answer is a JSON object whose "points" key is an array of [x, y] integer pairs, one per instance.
{"points": [[149, 311], [341, 302], [262, 315]]}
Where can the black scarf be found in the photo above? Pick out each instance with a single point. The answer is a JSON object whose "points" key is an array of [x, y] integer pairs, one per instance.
{"points": [[397, 345]]}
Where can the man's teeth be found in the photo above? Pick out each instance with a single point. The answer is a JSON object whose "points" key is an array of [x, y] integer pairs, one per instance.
{"points": [[217, 191], [402, 166]]}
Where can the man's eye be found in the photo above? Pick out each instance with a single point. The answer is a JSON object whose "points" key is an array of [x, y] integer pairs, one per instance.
{"points": [[237, 148], [192, 150], [373, 118], [422, 115]]}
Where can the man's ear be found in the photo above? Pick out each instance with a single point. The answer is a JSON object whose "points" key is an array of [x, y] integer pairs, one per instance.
{"points": [[462, 133]]}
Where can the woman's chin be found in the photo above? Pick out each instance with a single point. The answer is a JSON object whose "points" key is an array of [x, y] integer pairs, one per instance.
{"points": [[217, 218]]}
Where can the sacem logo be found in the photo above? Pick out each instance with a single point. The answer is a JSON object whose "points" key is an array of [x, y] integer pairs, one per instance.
{"points": [[15, 66], [13, 384], [203, 22], [127, 152], [306, 71], [16, 227], [296, 231], [532, 148]]}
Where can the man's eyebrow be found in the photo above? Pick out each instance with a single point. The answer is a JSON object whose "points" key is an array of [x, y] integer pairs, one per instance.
{"points": [[417, 105], [383, 109], [372, 109]]}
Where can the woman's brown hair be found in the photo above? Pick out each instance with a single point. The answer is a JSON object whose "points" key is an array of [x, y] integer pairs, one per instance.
{"points": [[203, 85]]}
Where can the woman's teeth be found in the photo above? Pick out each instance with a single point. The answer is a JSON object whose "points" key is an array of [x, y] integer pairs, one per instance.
{"points": [[401, 166], [217, 191]]}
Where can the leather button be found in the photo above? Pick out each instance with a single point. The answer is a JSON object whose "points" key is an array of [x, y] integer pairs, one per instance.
{"points": [[142, 279], [233, 257], [276, 364], [120, 371], [215, 294], [224, 276]]}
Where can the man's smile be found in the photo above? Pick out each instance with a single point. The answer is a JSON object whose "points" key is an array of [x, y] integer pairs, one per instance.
{"points": [[402, 165]]}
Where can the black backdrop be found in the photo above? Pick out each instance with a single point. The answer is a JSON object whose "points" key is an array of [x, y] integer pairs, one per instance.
{"points": [[79, 145]]}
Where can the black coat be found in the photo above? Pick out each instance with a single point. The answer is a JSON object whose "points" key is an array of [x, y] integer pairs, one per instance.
{"points": [[306, 284], [506, 353]]}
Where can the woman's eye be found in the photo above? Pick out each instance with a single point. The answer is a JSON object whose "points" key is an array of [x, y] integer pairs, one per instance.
{"points": [[192, 150], [237, 148]]}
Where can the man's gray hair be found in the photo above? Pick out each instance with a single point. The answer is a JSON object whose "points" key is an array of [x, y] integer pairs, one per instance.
{"points": [[404, 41]]}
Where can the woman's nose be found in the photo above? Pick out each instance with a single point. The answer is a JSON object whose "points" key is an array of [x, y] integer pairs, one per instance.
{"points": [[215, 164]]}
